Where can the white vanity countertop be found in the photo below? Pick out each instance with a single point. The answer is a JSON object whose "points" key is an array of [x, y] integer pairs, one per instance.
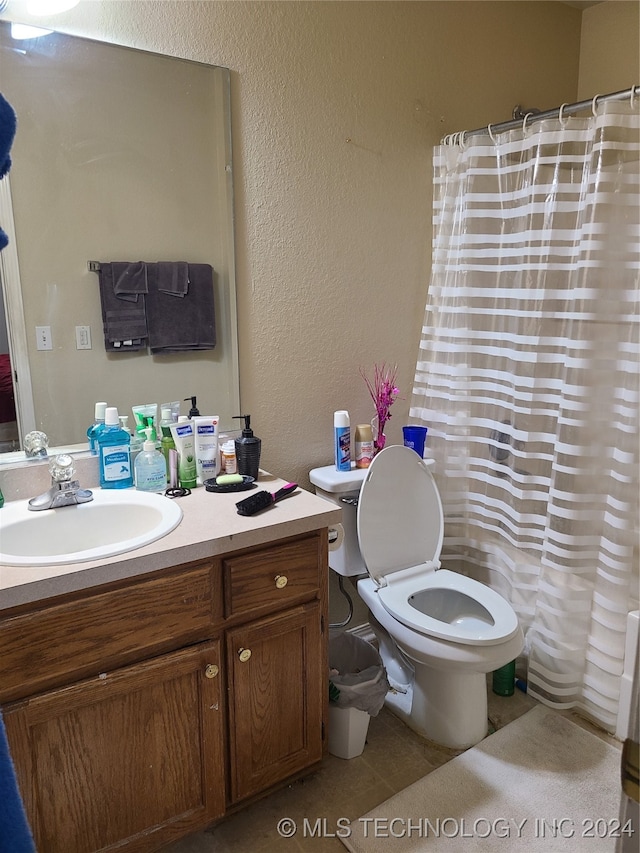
{"points": [[210, 526]]}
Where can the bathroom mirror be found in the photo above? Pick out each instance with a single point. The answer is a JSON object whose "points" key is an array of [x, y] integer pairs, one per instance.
{"points": [[120, 155]]}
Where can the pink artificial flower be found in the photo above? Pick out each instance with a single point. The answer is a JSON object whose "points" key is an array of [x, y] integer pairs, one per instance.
{"points": [[383, 392]]}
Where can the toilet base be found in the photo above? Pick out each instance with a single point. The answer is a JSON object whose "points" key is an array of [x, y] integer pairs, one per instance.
{"points": [[458, 727], [447, 705], [450, 708]]}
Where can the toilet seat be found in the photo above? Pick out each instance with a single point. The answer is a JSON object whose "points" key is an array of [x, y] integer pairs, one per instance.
{"points": [[471, 612], [400, 531]]}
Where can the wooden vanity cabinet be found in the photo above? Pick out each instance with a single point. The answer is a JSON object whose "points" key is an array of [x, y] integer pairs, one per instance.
{"points": [[136, 755], [276, 702], [276, 662], [174, 698]]}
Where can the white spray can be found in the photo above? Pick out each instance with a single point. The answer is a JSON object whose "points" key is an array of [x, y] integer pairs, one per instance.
{"points": [[342, 440]]}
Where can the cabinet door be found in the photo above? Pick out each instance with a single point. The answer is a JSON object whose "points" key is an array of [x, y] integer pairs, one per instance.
{"points": [[277, 687], [134, 755]]}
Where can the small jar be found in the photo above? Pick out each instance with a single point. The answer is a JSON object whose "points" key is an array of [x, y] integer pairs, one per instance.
{"points": [[228, 455]]}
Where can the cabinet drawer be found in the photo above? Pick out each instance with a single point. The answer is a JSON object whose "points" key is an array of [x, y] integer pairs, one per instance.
{"points": [[273, 577], [82, 637]]}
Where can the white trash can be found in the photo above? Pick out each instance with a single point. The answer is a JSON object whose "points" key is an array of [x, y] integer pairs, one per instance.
{"points": [[348, 729], [357, 687]]}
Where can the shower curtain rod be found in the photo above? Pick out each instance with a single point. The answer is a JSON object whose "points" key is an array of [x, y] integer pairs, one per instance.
{"points": [[530, 117]]}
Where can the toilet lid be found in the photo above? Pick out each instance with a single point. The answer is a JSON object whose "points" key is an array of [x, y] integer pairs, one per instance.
{"points": [[400, 521]]}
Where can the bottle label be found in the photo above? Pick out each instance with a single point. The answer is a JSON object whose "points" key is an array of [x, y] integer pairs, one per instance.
{"points": [[230, 464], [364, 454], [343, 449], [116, 462], [152, 479]]}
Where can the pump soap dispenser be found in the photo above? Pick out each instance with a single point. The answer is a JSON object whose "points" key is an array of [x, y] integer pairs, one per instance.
{"points": [[248, 449], [193, 411]]}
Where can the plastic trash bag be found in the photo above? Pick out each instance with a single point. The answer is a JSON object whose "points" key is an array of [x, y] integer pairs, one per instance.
{"points": [[356, 670]]}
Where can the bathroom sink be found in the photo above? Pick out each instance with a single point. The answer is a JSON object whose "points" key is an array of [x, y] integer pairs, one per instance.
{"points": [[114, 522]]}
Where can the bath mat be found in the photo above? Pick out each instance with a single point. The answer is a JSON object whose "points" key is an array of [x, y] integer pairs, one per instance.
{"points": [[542, 783]]}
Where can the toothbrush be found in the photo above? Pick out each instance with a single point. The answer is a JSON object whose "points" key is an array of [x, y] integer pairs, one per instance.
{"points": [[262, 500]]}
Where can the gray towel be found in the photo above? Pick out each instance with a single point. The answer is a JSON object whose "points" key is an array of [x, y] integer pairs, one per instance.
{"points": [[173, 277], [124, 324], [129, 279], [186, 324]]}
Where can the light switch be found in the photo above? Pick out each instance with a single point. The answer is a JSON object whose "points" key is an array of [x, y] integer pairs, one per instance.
{"points": [[83, 337], [43, 338]]}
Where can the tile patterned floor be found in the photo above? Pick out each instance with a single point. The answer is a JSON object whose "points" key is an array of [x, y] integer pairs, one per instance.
{"points": [[393, 758]]}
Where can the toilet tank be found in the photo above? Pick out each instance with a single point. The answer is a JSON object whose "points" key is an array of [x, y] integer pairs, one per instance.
{"points": [[343, 489]]}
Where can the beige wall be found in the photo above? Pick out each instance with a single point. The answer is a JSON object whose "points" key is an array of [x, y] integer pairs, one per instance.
{"points": [[609, 52], [336, 107]]}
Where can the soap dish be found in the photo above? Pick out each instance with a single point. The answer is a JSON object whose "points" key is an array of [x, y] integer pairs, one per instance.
{"points": [[212, 486]]}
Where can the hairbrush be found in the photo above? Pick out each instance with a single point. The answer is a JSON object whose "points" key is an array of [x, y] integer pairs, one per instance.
{"points": [[262, 500]]}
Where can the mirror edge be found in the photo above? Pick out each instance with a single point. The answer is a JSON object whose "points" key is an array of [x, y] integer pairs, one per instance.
{"points": [[16, 328]]}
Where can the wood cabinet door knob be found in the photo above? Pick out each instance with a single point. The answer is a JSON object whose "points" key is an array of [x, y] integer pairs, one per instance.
{"points": [[211, 670], [244, 655], [281, 581]]}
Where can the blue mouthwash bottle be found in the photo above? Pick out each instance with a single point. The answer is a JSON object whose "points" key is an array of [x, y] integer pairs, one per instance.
{"points": [[98, 422], [114, 457]]}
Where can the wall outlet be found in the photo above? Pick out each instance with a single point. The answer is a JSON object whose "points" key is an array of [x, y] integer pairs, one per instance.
{"points": [[83, 337], [43, 338]]}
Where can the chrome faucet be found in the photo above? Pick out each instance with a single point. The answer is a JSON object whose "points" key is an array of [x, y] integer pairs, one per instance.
{"points": [[64, 491]]}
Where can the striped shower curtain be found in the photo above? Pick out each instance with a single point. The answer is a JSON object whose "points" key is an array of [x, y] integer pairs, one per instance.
{"points": [[527, 377]]}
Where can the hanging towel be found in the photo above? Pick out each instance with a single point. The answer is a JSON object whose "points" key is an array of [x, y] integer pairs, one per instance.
{"points": [[129, 279], [15, 835], [173, 277], [124, 322], [186, 324]]}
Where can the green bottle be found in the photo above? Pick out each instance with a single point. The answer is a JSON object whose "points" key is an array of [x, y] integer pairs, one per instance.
{"points": [[166, 442], [504, 679]]}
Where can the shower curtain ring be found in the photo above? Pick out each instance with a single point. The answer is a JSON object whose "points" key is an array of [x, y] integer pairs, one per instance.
{"points": [[491, 136], [633, 96], [563, 121], [462, 136], [594, 106], [524, 124]]}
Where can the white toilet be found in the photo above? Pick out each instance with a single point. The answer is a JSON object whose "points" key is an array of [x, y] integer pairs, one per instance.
{"points": [[439, 632]]}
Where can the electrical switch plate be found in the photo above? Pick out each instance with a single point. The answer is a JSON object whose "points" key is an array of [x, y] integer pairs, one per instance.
{"points": [[83, 337], [43, 338]]}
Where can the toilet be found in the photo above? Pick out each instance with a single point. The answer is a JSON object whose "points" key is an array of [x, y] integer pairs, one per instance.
{"points": [[439, 632]]}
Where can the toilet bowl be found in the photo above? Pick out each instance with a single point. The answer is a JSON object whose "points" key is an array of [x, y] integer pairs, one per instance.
{"points": [[439, 632]]}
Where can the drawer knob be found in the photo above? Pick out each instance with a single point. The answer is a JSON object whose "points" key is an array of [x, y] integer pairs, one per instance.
{"points": [[281, 581], [212, 670], [244, 655]]}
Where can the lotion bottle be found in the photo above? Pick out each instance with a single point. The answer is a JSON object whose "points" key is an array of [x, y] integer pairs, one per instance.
{"points": [[114, 457], [150, 467], [183, 436], [205, 430]]}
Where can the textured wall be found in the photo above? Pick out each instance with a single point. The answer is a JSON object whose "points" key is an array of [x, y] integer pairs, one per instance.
{"points": [[336, 106]]}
